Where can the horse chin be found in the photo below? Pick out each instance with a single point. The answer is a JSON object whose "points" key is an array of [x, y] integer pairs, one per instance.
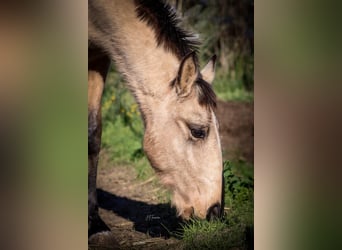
{"points": [[189, 213], [186, 213], [185, 209]]}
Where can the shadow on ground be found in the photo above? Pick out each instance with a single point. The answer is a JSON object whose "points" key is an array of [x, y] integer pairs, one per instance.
{"points": [[156, 220]]}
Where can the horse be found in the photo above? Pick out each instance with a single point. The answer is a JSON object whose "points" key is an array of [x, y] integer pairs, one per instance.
{"points": [[158, 59]]}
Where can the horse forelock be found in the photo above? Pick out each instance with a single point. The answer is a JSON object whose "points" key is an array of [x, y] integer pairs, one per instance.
{"points": [[163, 19], [205, 93]]}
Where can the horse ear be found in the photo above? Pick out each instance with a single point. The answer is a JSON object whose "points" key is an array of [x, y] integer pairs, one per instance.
{"points": [[187, 74], [208, 72]]}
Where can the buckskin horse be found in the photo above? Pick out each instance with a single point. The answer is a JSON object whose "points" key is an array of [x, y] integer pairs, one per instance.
{"points": [[159, 61]]}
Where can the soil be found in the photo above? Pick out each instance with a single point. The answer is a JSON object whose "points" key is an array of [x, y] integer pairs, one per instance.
{"points": [[236, 122], [132, 208]]}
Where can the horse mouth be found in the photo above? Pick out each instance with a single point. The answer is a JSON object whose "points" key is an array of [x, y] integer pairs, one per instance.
{"points": [[214, 212], [187, 214]]}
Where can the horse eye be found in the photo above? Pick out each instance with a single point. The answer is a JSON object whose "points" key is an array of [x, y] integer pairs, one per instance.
{"points": [[198, 133]]}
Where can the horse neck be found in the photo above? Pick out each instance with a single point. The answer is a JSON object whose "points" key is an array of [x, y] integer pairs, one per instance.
{"points": [[147, 67]]}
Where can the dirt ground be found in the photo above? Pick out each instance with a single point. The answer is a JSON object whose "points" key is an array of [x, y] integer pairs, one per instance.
{"points": [[132, 208], [236, 122]]}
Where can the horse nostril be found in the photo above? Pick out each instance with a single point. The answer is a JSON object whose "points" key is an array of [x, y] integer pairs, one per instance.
{"points": [[214, 212]]}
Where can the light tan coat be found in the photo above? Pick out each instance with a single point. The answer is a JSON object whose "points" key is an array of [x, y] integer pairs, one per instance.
{"points": [[181, 137]]}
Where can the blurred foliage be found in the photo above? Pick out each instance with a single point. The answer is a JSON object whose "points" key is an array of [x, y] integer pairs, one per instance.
{"points": [[122, 127], [226, 28]]}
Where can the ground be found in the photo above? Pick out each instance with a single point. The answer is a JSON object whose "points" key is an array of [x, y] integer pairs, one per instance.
{"points": [[236, 125], [138, 212], [133, 211]]}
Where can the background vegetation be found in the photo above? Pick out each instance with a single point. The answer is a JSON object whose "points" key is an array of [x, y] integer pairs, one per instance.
{"points": [[226, 29]]}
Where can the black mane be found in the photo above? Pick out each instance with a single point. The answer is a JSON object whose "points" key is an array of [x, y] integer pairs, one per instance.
{"points": [[206, 94], [163, 19]]}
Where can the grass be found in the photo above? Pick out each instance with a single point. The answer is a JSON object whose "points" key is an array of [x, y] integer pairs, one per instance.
{"points": [[203, 235], [122, 128], [232, 90]]}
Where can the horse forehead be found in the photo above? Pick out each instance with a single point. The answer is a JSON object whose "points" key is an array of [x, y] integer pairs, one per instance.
{"points": [[195, 112]]}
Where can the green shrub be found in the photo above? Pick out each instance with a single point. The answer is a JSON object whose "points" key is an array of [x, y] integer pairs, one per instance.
{"points": [[122, 127]]}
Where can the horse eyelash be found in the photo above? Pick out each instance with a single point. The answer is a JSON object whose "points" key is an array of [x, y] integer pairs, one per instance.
{"points": [[196, 126], [199, 127]]}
